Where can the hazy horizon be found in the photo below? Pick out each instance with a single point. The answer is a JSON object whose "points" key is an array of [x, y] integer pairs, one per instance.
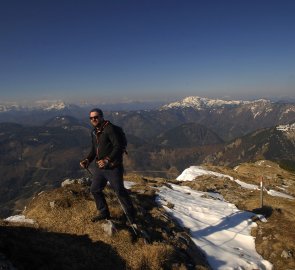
{"points": [[35, 102]]}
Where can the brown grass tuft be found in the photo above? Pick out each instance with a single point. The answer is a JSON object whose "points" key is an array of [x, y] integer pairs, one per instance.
{"points": [[153, 257]]}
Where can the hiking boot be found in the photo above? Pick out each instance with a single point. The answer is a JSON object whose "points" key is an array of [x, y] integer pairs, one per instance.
{"points": [[102, 216]]}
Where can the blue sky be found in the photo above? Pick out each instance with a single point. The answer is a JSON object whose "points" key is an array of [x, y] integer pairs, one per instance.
{"points": [[146, 50]]}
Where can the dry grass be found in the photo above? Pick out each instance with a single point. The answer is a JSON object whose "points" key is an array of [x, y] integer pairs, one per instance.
{"points": [[65, 238]]}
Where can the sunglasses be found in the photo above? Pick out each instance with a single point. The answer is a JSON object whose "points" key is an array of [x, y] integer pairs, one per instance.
{"points": [[94, 117]]}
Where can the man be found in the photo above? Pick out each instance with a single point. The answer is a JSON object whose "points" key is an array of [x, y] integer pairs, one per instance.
{"points": [[108, 154]]}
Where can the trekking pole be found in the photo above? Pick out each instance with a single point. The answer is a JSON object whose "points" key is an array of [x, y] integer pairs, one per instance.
{"points": [[261, 192], [128, 218], [89, 171]]}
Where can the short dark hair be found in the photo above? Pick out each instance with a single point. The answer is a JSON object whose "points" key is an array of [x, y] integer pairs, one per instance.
{"points": [[99, 111]]}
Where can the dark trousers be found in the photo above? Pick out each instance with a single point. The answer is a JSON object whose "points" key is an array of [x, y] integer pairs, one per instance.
{"points": [[115, 178]]}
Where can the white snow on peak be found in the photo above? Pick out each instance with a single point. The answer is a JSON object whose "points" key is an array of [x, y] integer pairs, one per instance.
{"points": [[260, 106], [288, 110], [48, 105], [259, 101], [200, 103], [9, 107], [286, 128]]}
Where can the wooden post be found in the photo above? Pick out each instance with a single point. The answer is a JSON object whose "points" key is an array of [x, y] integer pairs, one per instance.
{"points": [[261, 192]]}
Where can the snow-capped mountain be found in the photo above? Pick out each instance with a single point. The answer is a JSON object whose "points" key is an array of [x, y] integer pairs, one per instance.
{"points": [[6, 107], [286, 128], [201, 103], [237, 115], [227, 118], [46, 105], [51, 105]]}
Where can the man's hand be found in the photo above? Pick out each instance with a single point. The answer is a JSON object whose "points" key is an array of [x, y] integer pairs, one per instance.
{"points": [[84, 163], [102, 163]]}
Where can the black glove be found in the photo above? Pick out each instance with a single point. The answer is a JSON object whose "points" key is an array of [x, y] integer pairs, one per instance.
{"points": [[84, 163]]}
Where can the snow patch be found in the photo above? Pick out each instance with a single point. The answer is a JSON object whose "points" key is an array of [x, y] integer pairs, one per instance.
{"points": [[195, 171], [274, 193], [128, 184], [289, 127], [20, 218], [245, 185], [222, 231]]}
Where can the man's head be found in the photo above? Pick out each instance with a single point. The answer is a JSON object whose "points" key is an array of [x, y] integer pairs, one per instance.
{"points": [[96, 116]]}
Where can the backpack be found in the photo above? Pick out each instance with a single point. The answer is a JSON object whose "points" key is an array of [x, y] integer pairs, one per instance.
{"points": [[121, 135]]}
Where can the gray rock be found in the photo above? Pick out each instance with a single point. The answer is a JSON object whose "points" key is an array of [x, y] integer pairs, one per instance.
{"points": [[52, 204], [82, 181], [286, 254], [68, 182], [109, 228]]}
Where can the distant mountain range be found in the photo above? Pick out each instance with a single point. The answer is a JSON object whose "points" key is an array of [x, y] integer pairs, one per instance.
{"points": [[59, 105], [43, 144], [228, 119], [200, 103], [45, 105]]}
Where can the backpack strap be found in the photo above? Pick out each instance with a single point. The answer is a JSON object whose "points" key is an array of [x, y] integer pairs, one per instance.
{"points": [[97, 133], [106, 122]]}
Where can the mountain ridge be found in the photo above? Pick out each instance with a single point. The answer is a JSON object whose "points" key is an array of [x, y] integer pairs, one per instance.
{"points": [[201, 103], [228, 119], [275, 143]]}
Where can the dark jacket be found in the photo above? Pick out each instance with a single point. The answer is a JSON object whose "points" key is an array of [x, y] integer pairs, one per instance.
{"points": [[106, 145]]}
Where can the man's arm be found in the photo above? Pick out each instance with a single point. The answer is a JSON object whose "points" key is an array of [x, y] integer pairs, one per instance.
{"points": [[85, 162]]}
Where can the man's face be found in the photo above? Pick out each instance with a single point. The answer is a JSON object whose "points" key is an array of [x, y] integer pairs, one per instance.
{"points": [[95, 118]]}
